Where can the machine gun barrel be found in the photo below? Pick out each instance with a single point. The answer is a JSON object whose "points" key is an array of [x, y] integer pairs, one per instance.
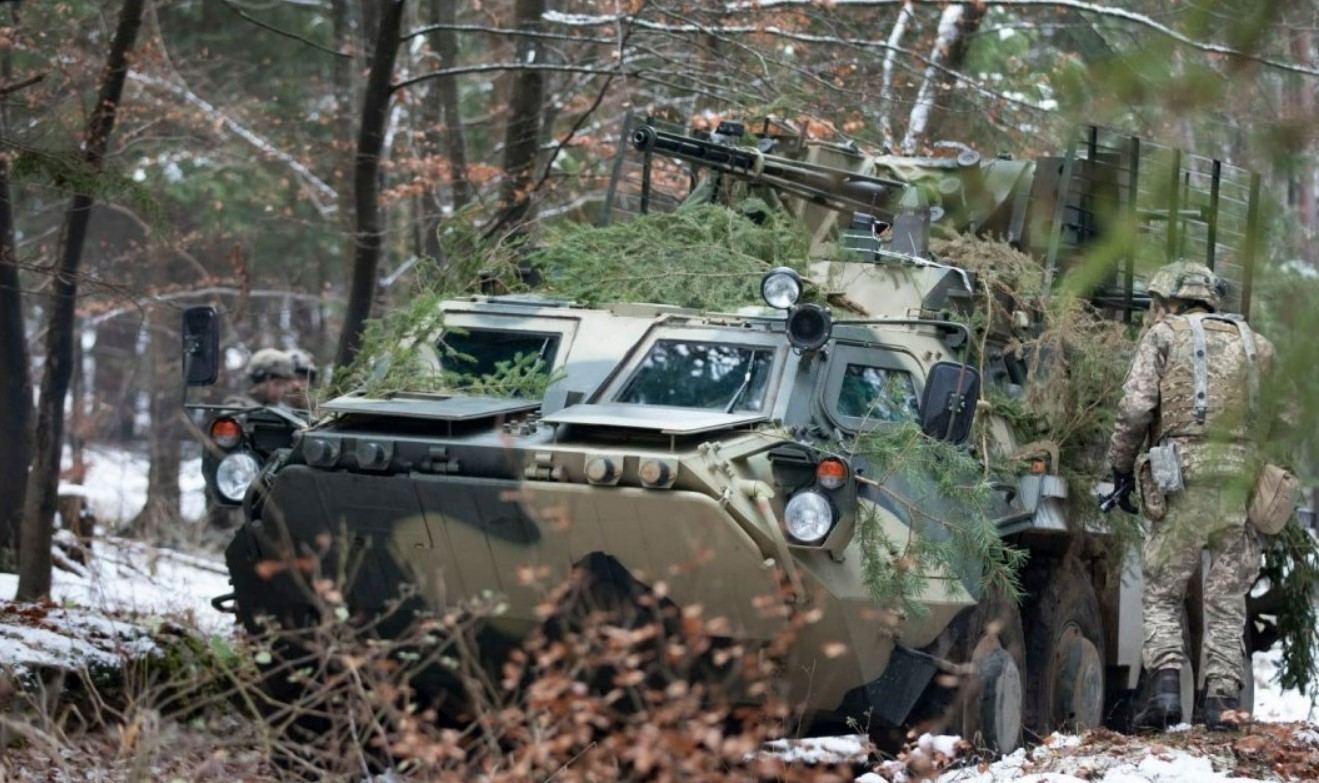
{"points": [[838, 189]]}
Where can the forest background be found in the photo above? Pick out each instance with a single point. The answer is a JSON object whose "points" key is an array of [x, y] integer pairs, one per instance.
{"points": [[292, 161]]}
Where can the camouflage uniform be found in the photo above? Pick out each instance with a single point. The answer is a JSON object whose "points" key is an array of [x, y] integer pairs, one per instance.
{"points": [[1159, 399]]}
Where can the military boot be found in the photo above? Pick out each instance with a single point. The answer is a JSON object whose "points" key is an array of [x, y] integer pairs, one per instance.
{"points": [[1221, 712], [1163, 707]]}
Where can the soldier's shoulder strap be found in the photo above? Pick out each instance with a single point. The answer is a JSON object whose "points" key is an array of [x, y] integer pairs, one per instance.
{"points": [[1200, 360]]}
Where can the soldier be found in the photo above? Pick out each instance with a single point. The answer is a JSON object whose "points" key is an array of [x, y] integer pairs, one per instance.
{"points": [[304, 376], [272, 375], [1190, 387]]}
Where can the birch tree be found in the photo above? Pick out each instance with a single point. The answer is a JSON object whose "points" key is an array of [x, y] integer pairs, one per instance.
{"points": [[955, 23]]}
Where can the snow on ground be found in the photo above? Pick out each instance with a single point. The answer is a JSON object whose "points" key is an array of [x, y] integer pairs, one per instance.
{"points": [[136, 578], [39, 637], [1282, 745], [849, 748], [1262, 752], [116, 484], [1272, 703]]}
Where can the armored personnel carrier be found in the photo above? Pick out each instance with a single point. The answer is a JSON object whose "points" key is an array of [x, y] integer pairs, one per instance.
{"points": [[701, 451]]}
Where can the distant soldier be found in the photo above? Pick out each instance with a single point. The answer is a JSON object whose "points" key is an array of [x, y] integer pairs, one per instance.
{"points": [[1190, 389], [304, 377], [271, 374]]}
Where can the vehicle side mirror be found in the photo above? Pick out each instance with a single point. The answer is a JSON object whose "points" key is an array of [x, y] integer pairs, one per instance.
{"points": [[201, 346], [948, 406]]}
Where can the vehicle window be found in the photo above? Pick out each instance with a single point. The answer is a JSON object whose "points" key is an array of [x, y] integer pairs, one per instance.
{"points": [[877, 394], [481, 352], [712, 376]]}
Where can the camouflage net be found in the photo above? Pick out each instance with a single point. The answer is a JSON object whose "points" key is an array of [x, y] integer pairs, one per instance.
{"points": [[1077, 358]]}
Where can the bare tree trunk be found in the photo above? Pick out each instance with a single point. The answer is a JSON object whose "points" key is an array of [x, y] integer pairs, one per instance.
{"points": [[1305, 173], [522, 133], [886, 82], [368, 237], [15, 380], [455, 145], [43, 484], [344, 76], [956, 24], [162, 510]]}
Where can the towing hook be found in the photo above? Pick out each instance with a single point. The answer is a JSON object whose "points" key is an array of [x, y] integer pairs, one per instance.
{"points": [[225, 603]]}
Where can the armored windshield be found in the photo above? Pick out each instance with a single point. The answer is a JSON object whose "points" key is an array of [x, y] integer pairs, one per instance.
{"points": [[878, 394], [485, 354], [709, 376]]}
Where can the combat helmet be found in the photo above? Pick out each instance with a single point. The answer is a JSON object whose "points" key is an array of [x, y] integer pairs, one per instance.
{"points": [[303, 363], [269, 363], [1190, 282]]}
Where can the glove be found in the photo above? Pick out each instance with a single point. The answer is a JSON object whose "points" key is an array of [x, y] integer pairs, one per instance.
{"points": [[1124, 483]]}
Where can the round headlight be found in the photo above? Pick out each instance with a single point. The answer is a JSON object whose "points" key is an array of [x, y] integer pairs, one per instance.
{"points": [[781, 287], [235, 474], [808, 517]]}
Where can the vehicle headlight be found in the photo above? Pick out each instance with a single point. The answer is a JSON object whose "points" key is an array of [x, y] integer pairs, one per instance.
{"points": [[808, 517], [235, 474], [780, 287]]}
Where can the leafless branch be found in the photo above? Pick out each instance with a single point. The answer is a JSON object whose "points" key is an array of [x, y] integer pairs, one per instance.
{"points": [[480, 28], [576, 126], [6, 89], [460, 70], [583, 20], [1123, 14], [315, 183], [281, 32]]}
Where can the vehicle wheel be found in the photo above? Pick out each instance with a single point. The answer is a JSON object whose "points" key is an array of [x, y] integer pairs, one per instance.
{"points": [[1063, 642], [989, 705]]}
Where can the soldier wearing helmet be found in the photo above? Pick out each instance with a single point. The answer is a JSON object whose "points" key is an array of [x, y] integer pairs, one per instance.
{"points": [[271, 373], [1190, 392], [304, 375]]}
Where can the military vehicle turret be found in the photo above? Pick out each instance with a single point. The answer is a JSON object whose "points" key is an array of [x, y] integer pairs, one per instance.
{"points": [[701, 451]]}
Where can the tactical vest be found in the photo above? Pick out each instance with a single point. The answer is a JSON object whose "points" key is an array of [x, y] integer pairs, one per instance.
{"points": [[1210, 380]]}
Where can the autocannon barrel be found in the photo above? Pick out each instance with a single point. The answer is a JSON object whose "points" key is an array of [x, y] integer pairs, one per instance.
{"points": [[832, 187]]}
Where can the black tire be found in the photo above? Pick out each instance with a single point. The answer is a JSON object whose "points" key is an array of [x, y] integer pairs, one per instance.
{"points": [[1064, 650], [988, 707]]}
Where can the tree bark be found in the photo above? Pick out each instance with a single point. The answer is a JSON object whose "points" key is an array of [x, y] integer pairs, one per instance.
{"points": [[1303, 104], [886, 91], [162, 510], [522, 133], [455, 144], [368, 235], [15, 380], [956, 24], [43, 483]]}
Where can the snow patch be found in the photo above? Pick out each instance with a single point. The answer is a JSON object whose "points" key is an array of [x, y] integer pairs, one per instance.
{"points": [[820, 750], [1272, 703], [130, 576], [69, 639], [115, 485]]}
